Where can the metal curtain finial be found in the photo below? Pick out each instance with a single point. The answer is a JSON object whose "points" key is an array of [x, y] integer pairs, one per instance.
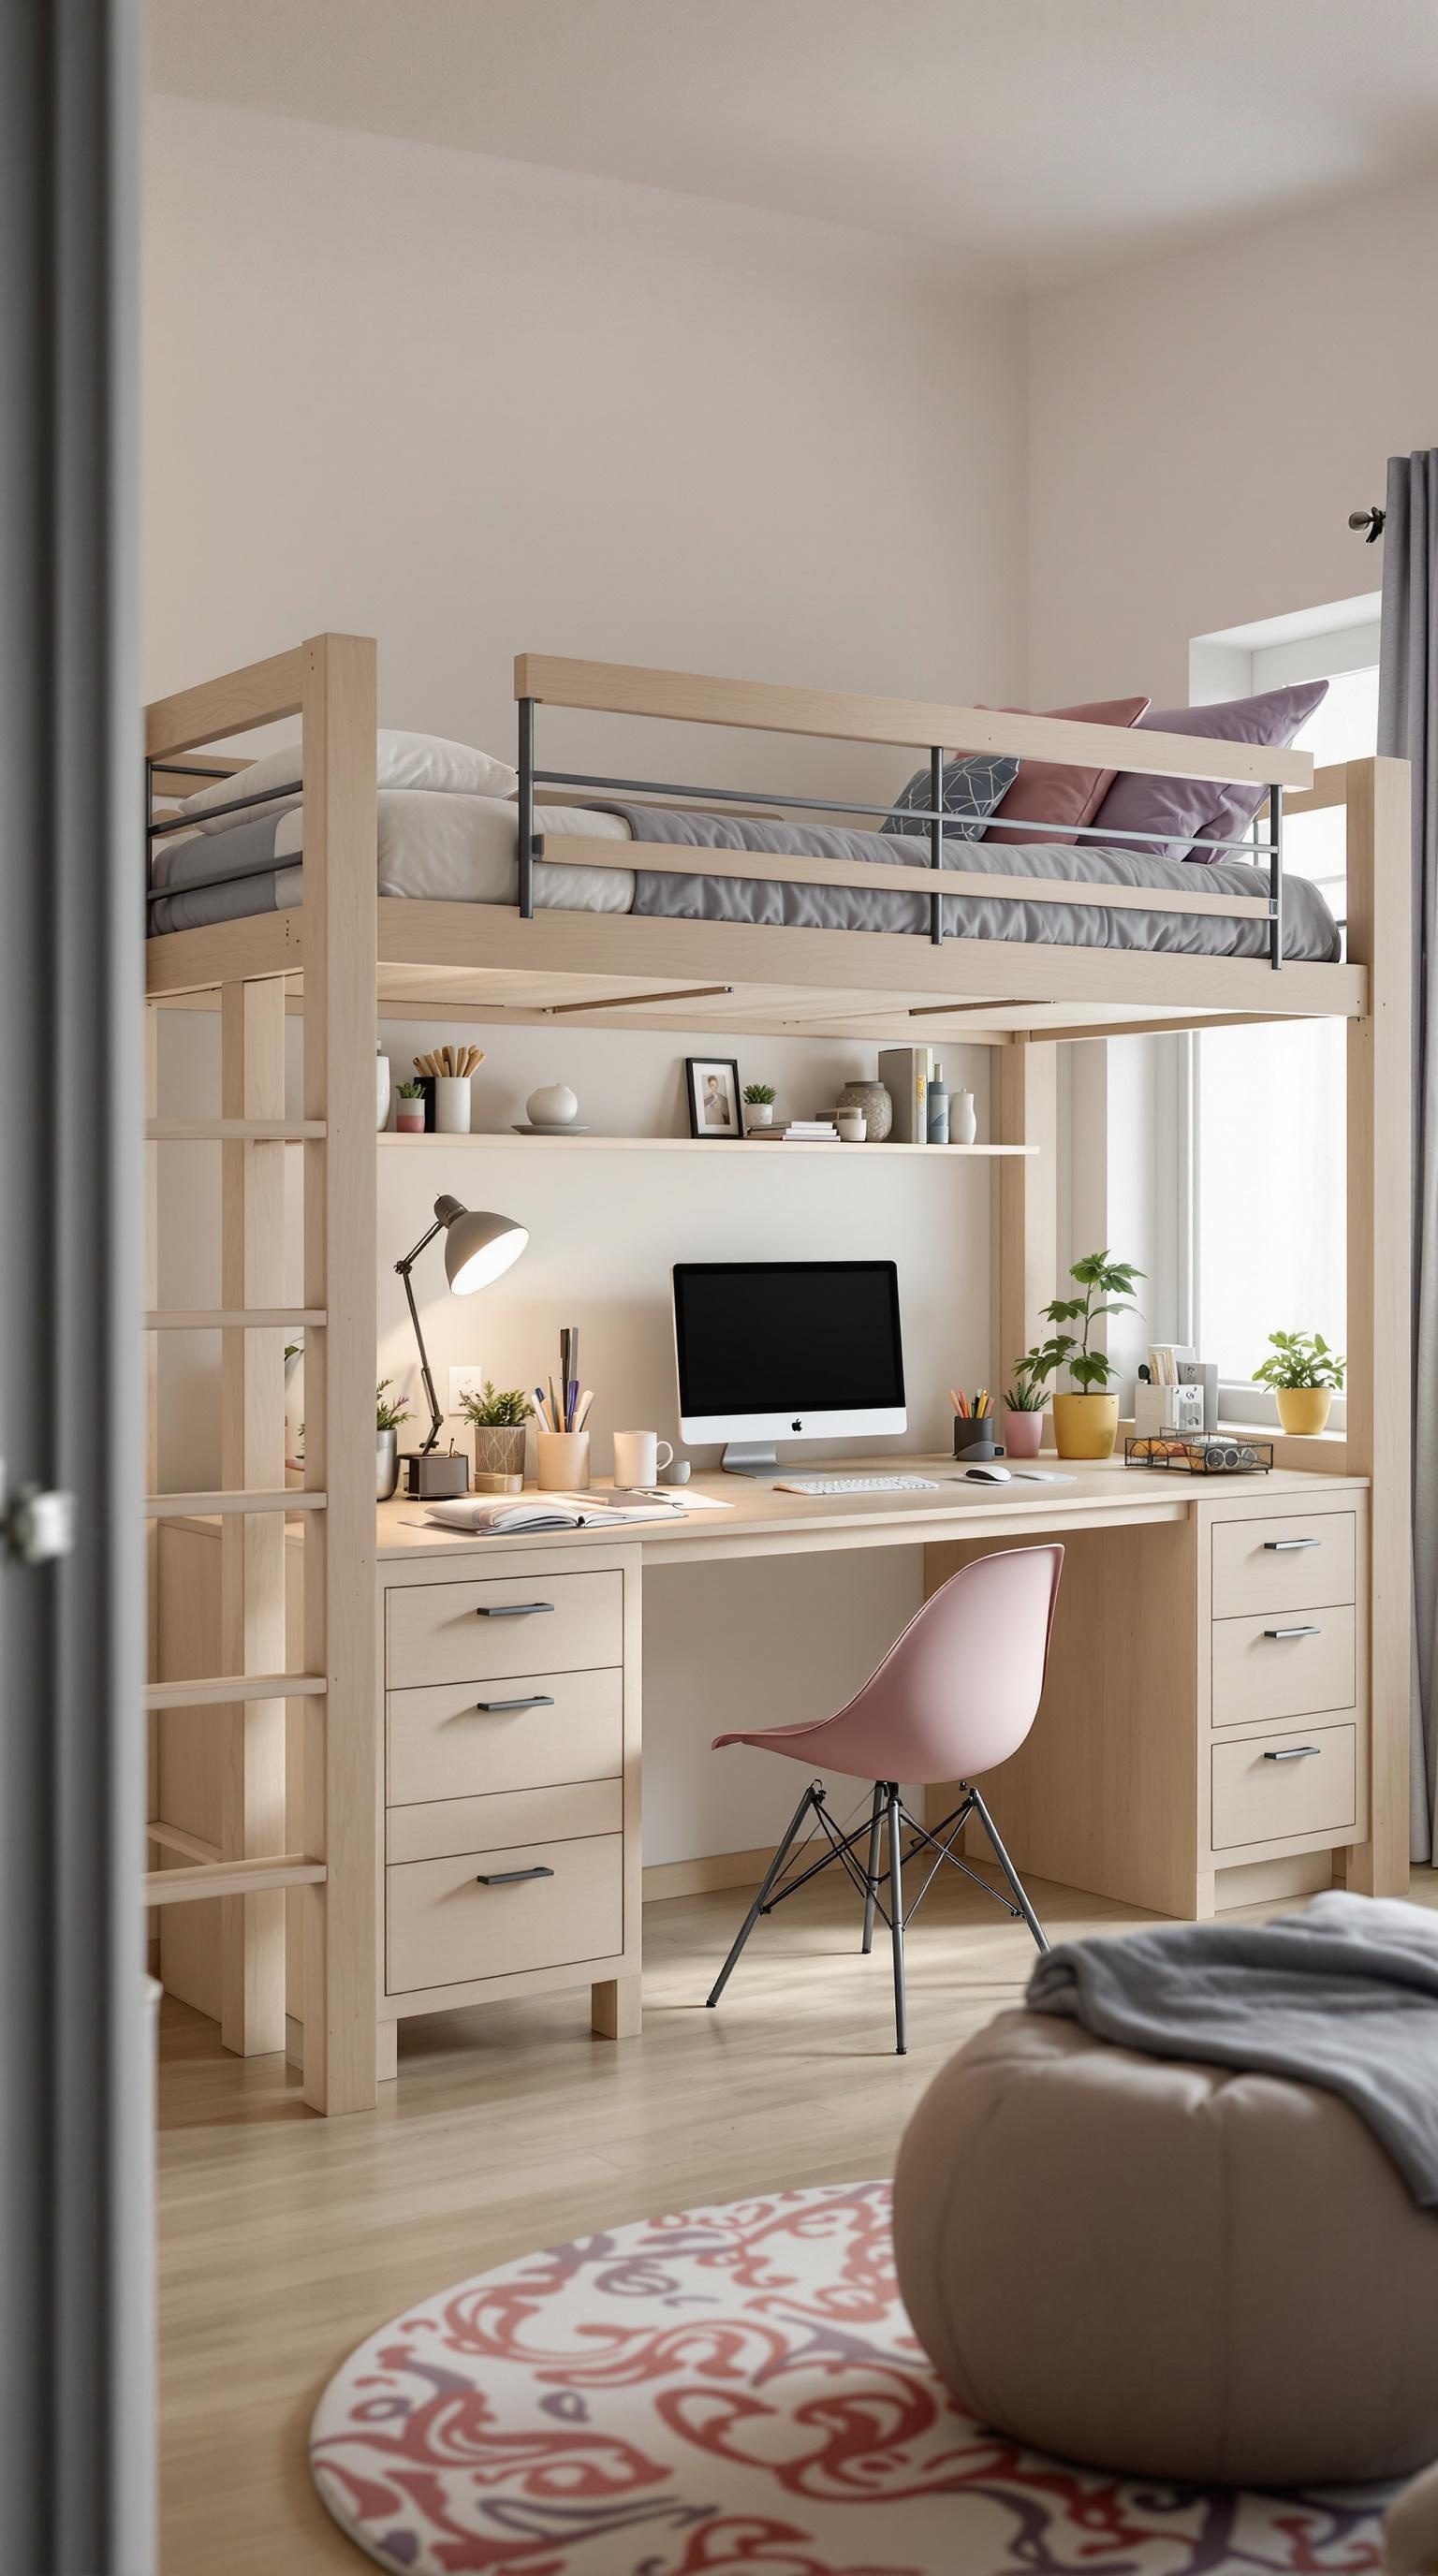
{"points": [[1369, 520]]}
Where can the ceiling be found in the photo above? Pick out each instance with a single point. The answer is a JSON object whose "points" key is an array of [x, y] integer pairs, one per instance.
{"points": [[1040, 139]]}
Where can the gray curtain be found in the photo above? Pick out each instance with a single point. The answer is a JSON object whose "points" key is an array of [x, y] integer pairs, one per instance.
{"points": [[1408, 729], [76, 2116]]}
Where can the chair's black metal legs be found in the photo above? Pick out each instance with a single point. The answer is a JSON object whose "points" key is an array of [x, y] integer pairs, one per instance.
{"points": [[813, 1798], [1009, 1871], [896, 1917], [871, 1875]]}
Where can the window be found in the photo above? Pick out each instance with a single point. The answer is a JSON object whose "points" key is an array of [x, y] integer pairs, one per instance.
{"points": [[1266, 1106]]}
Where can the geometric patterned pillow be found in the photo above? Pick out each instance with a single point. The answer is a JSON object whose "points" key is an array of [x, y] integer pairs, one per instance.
{"points": [[972, 788]]}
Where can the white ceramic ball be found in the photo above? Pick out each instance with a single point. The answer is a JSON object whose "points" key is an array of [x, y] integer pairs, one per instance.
{"points": [[553, 1106]]}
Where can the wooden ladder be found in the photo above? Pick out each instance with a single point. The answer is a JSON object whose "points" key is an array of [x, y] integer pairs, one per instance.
{"points": [[329, 683]]}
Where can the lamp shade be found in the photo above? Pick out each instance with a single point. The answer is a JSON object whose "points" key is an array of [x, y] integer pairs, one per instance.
{"points": [[478, 1245]]}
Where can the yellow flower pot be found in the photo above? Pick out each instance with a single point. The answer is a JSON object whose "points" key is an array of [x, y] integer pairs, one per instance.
{"points": [[1304, 1410], [1085, 1426]]}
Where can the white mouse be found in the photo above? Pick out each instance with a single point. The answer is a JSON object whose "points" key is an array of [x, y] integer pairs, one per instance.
{"points": [[994, 1475]]}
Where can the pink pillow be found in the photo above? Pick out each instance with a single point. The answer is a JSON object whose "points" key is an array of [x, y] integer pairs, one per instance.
{"points": [[1045, 792]]}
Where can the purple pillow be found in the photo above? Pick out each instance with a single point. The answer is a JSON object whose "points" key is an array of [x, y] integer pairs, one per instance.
{"points": [[1191, 812]]}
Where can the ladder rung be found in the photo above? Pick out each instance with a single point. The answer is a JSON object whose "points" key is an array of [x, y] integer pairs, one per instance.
{"points": [[171, 1507], [236, 1131], [237, 1319], [218, 1689], [232, 1878], [175, 1838]]}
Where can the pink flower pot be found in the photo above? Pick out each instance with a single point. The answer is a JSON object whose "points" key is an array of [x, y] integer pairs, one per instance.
{"points": [[1023, 1434]]}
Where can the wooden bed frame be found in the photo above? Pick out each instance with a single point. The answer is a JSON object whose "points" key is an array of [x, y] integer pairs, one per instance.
{"points": [[344, 948]]}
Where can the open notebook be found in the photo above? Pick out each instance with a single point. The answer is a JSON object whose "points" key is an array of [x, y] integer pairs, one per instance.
{"points": [[487, 1515]]}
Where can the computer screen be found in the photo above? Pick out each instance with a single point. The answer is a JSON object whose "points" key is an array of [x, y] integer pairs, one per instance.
{"points": [[788, 1348]]}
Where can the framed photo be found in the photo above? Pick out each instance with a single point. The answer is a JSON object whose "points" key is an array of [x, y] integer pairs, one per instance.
{"points": [[714, 1097]]}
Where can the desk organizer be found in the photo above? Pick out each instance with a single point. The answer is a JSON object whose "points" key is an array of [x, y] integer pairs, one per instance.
{"points": [[1218, 1454], [975, 1438]]}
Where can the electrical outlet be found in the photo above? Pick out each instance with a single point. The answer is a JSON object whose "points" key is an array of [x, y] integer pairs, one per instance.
{"points": [[463, 1382]]}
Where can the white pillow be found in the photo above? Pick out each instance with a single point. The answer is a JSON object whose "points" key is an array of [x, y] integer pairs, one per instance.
{"points": [[405, 760]]}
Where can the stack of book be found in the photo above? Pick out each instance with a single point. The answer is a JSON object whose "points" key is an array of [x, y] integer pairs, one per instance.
{"points": [[799, 1131]]}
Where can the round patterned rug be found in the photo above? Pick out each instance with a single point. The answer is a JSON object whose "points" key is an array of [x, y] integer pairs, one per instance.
{"points": [[740, 2389]]}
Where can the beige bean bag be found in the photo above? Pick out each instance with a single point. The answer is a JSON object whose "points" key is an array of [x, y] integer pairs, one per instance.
{"points": [[1167, 2268]]}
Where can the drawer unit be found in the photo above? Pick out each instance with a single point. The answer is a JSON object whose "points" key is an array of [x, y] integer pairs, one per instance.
{"points": [[1303, 1563], [467, 1739], [450, 1826], [1284, 1663], [1267, 1788], [494, 1913], [502, 1627]]}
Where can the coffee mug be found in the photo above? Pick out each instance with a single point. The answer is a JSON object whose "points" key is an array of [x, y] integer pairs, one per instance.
{"points": [[636, 1457]]}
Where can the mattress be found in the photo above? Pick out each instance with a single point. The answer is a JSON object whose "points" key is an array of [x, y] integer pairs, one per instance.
{"points": [[448, 848]]}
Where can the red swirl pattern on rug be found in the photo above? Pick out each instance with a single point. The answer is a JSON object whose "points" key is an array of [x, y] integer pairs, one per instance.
{"points": [[740, 2390]]}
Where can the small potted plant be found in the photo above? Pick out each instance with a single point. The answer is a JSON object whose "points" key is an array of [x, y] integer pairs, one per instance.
{"points": [[759, 1101], [1025, 1402], [389, 1413], [497, 1418], [1086, 1419], [1304, 1375], [409, 1109]]}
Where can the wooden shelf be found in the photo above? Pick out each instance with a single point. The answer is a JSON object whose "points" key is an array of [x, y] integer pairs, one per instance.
{"points": [[684, 1145]]}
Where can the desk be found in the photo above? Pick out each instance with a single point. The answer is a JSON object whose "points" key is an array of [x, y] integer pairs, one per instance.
{"points": [[1165, 1769]]}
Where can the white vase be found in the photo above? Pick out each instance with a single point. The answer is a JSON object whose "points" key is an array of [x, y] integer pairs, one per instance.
{"points": [[381, 1088], [963, 1125], [553, 1106], [451, 1104]]}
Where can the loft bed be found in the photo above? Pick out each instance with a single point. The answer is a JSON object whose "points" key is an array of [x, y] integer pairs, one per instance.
{"points": [[512, 954]]}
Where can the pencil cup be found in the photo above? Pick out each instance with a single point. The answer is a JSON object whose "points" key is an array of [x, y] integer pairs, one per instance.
{"points": [[974, 1440], [563, 1461], [451, 1105]]}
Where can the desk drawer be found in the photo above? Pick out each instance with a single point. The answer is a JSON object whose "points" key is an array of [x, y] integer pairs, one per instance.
{"points": [[1303, 1563], [444, 1828], [506, 1625], [444, 1926], [468, 1740], [1283, 1664], [1265, 1790]]}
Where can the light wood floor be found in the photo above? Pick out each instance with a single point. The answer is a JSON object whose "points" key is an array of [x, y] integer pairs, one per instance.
{"points": [[284, 2238]]}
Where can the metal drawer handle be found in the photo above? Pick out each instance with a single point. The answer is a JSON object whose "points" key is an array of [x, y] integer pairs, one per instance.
{"points": [[1293, 1753], [1281, 1546], [1309, 1629], [508, 1877], [512, 1609], [494, 1707]]}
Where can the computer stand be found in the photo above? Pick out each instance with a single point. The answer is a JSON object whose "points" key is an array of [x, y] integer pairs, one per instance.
{"points": [[750, 1458]]}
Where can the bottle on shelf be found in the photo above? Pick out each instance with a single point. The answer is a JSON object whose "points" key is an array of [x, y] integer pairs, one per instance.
{"points": [[938, 1108]]}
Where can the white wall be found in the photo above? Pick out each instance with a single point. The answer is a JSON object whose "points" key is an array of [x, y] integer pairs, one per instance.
{"points": [[1200, 429], [472, 406]]}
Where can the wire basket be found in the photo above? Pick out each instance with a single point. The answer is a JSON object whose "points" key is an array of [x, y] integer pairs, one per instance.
{"points": [[1211, 1453]]}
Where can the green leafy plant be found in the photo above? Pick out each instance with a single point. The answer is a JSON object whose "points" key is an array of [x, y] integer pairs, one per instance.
{"points": [[1031, 1373], [1107, 1288], [758, 1094], [389, 1411], [496, 1410], [411, 1091], [1301, 1359]]}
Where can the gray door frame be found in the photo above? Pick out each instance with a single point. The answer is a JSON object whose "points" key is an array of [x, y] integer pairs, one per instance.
{"points": [[76, 2116]]}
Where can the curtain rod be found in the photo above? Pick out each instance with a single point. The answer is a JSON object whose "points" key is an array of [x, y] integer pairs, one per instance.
{"points": [[1371, 520]]}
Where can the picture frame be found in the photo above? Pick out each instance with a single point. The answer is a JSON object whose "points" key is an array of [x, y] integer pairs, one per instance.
{"points": [[712, 1084]]}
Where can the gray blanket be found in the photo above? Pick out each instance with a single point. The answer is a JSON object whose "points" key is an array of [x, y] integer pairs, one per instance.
{"points": [[1309, 930], [1344, 1995]]}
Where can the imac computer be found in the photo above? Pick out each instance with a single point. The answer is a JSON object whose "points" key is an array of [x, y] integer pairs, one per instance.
{"points": [[786, 1350]]}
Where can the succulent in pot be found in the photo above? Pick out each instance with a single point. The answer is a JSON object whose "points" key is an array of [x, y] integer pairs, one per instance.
{"points": [[1025, 1403], [759, 1101], [389, 1413], [497, 1418]]}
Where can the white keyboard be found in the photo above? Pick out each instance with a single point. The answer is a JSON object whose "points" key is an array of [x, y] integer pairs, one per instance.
{"points": [[857, 1485]]}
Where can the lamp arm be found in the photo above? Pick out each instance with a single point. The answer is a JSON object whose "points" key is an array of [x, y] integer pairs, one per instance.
{"points": [[404, 1268]]}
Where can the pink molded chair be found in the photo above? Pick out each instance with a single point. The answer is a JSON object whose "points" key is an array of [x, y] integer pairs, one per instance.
{"points": [[956, 1694]]}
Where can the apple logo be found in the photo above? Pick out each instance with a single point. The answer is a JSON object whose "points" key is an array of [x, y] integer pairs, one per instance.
{"points": [[796, 1426]]}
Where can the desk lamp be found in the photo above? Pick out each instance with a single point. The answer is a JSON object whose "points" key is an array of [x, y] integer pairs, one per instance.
{"points": [[478, 1248]]}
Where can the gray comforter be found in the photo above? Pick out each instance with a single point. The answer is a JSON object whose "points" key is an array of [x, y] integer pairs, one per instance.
{"points": [[1344, 1996], [243, 857], [1309, 929]]}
